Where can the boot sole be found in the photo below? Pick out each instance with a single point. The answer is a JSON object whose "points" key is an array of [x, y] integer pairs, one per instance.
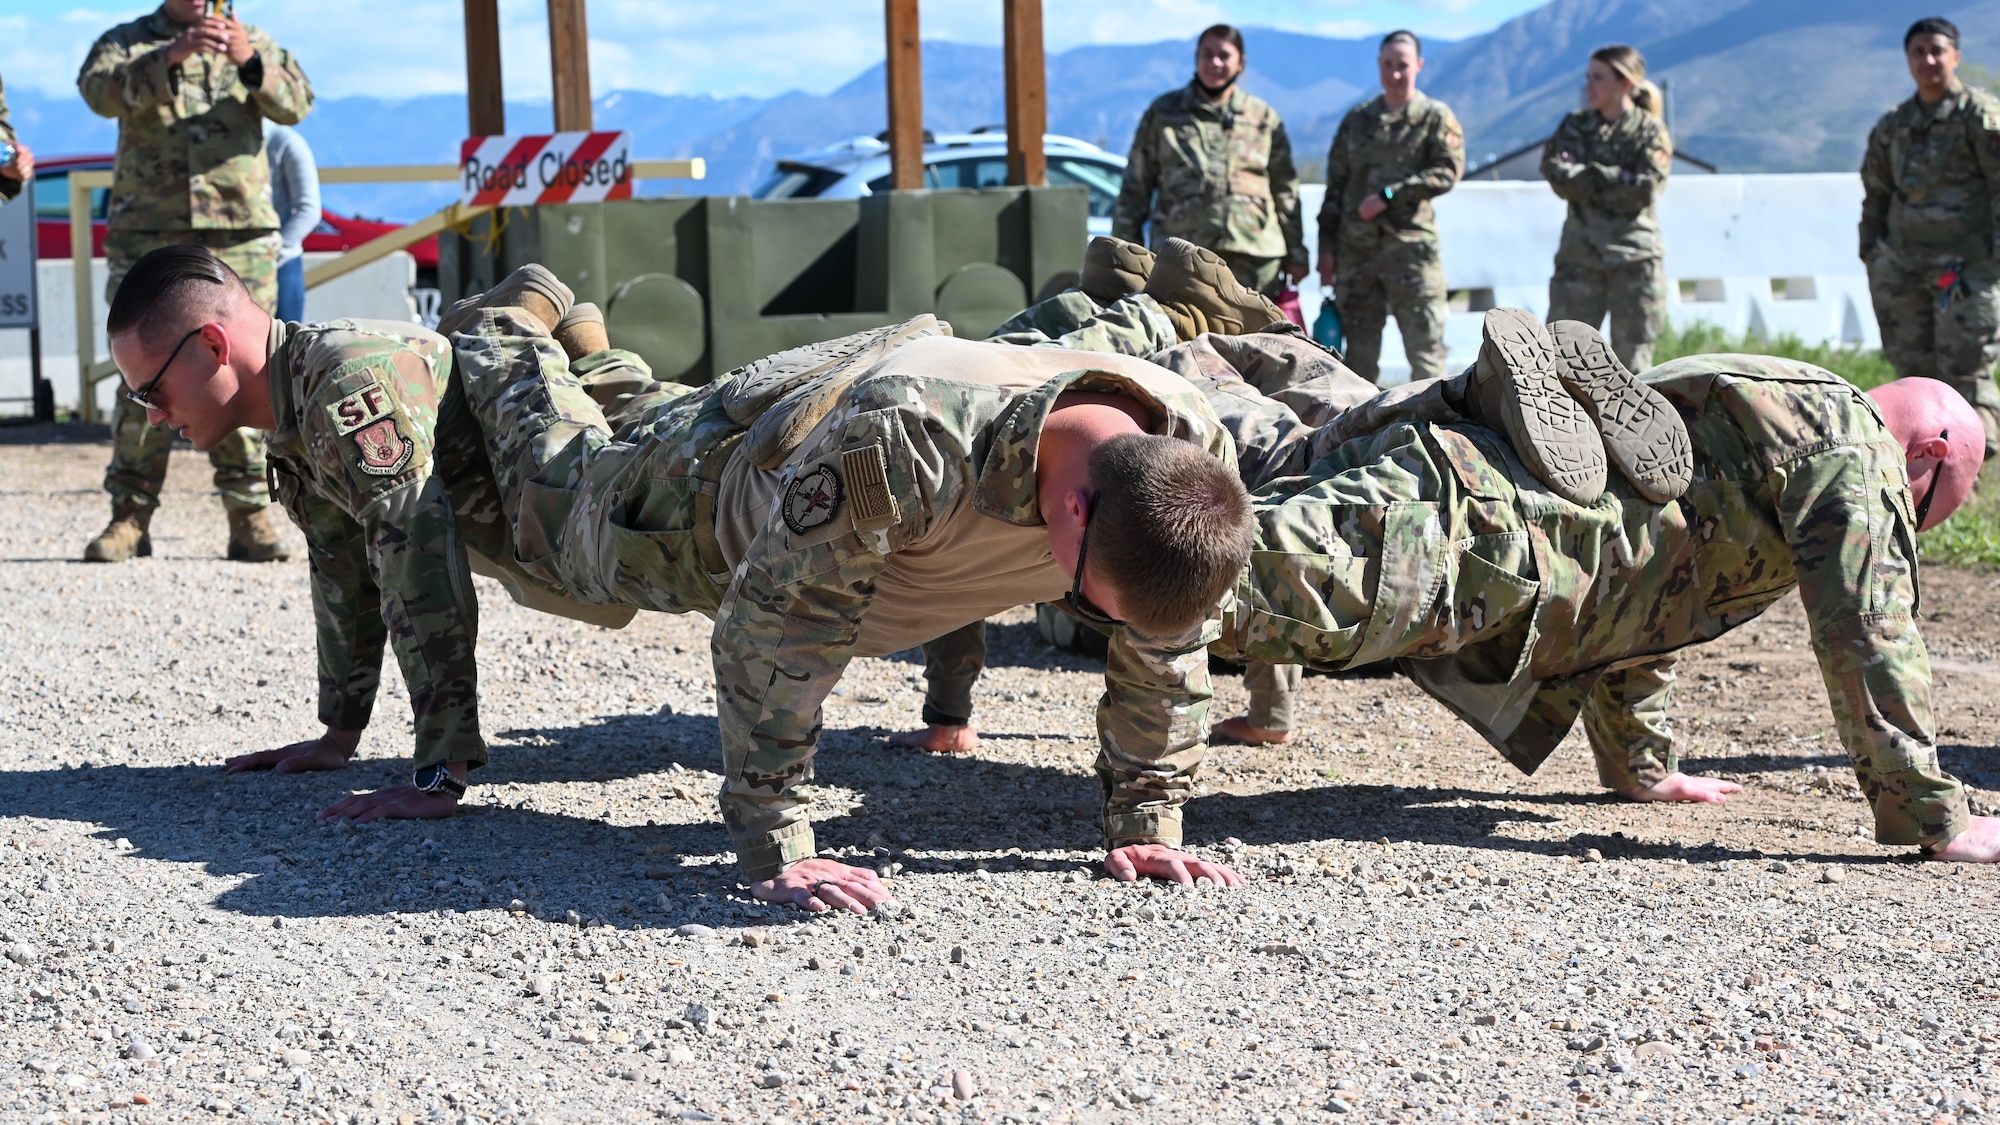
{"points": [[1551, 431], [1183, 277], [1643, 434]]}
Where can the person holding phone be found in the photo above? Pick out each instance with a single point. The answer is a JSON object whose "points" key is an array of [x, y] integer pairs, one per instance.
{"points": [[191, 88]]}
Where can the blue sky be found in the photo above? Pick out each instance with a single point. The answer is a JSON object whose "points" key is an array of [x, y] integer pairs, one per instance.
{"points": [[402, 48]]}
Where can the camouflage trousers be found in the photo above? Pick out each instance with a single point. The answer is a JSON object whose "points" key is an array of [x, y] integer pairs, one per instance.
{"points": [[1405, 279], [1958, 345], [1634, 294], [139, 452]]}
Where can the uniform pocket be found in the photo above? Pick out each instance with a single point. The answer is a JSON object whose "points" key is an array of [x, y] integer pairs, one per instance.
{"points": [[648, 552], [1307, 608]]}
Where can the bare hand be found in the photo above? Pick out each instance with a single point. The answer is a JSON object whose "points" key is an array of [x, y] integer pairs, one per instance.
{"points": [[939, 738], [206, 36], [1371, 208], [1297, 271], [1682, 787], [236, 41], [1158, 861], [330, 751], [1239, 729], [400, 802], [22, 167], [1979, 843], [1328, 267], [822, 884]]}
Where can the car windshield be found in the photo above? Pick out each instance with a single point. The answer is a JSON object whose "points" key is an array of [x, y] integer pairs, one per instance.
{"points": [[52, 197], [1102, 180], [795, 181]]}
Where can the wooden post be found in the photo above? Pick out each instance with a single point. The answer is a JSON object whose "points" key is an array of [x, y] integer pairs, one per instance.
{"points": [[906, 96], [569, 65], [1027, 94], [485, 104]]}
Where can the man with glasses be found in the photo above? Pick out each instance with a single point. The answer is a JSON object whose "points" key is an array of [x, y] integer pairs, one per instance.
{"points": [[850, 498]]}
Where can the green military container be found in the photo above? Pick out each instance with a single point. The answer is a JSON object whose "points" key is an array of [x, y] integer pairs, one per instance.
{"points": [[698, 286]]}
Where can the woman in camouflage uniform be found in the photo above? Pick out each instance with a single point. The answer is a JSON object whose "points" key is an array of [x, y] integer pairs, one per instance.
{"points": [[1212, 164], [1609, 161]]}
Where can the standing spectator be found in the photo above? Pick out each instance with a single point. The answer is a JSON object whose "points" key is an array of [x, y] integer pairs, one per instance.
{"points": [[190, 92], [1378, 244], [19, 168], [1212, 164], [1609, 160], [1929, 215], [295, 197]]}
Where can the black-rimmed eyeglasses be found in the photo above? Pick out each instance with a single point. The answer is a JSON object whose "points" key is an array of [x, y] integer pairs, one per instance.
{"points": [[1937, 474], [143, 397], [1078, 604]]}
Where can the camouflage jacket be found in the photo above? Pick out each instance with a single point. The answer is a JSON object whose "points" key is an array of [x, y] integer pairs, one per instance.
{"points": [[1430, 543], [1219, 175], [190, 136], [1611, 173], [1417, 153], [9, 188], [355, 461], [1931, 180], [931, 480]]}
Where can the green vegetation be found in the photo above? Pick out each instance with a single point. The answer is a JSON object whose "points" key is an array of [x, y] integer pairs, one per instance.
{"points": [[1971, 538]]}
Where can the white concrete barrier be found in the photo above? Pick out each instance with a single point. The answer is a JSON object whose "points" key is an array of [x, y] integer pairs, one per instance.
{"points": [[377, 291], [1765, 254]]}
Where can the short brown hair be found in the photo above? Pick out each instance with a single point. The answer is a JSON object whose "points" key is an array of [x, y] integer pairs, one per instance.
{"points": [[167, 289], [1173, 530]]}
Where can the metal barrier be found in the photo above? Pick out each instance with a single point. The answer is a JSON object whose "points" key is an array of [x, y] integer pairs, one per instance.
{"points": [[92, 371]]}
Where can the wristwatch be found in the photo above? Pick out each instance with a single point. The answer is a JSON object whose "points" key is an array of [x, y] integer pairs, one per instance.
{"points": [[437, 780], [1388, 195]]}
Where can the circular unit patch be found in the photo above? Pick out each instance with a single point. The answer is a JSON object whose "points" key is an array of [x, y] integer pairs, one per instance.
{"points": [[812, 500]]}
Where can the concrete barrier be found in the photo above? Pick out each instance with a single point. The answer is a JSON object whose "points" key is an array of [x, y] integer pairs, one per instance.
{"points": [[1765, 254]]}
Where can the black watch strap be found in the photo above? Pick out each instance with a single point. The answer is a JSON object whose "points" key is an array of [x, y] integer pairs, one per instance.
{"points": [[437, 779]]}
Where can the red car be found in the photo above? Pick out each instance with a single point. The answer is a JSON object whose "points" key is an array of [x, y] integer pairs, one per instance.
{"points": [[335, 232]]}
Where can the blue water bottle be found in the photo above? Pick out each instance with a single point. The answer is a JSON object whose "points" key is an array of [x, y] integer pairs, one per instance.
{"points": [[1326, 326]]}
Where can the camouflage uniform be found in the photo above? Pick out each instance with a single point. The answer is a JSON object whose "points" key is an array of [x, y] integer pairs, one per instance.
{"points": [[851, 498], [190, 169], [9, 188], [1428, 542], [1391, 265], [1611, 258], [1932, 202], [1219, 175]]}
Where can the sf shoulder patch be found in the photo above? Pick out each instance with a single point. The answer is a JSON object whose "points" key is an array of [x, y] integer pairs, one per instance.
{"points": [[370, 417], [812, 499]]}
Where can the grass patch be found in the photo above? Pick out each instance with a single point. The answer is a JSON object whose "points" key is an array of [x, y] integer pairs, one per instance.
{"points": [[1970, 538]]}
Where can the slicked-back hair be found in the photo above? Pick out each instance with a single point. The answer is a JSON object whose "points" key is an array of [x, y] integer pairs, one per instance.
{"points": [[1402, 35], [1225, 32], [169, 291], [1173, 530], [1931, 25]]}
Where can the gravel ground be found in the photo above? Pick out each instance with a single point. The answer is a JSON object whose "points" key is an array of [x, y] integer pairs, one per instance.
{"points": [[1426, 935]]}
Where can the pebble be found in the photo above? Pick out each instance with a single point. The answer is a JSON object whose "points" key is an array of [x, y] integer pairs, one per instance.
{"points": [[962, 1085], [21, 953], [771, 1079], [1657, 1049], [294, 1057], [1337, 1105], [1833, 875], [679, 1056], [541, 984], [139, 1049], [697, 930]]}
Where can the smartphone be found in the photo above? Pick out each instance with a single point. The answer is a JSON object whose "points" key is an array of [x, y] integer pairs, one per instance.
{"points": [[223, 8]]}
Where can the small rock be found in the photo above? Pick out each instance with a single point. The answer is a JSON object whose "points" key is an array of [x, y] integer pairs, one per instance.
{"points": [[1487, 1019], [294, 1057], [1778, 867], [771, 1079], [1748, 1070], [696, 930], [962, 1086], [21, 953], [1335, 1105], [50, 885], [957, 955], [1833, 875], [1589, 1044], [1658, 1049], [139, 1049], [679, 1056], [516, 906], [541, 984], [583, 1035], [1592, 855]]}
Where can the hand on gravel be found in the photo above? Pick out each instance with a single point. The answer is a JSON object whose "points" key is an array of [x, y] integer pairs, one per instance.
{"points": [[1158, 861], [330, 751], [1683, 787], [1979, 843], [821, 884], [400, 802], [938, 738]]}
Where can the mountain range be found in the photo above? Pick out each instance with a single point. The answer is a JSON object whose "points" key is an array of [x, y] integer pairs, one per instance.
{"points": [[1753, 86]]}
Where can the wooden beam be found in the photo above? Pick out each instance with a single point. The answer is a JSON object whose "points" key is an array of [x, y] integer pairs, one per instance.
{"points": [[569, 65], [387, 244], [1027, 93], [906, 96], [485, 105]]}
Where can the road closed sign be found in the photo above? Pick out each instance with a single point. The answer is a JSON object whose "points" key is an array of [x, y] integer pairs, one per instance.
{"points": [[546, 168]]}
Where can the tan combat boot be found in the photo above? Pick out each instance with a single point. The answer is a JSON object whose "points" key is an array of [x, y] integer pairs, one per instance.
{"points": [[1643, 434], [532, 288], [252, 538], [127, 536], [1200, 295], [1114, 268], [581, 331], [1516, 388]]}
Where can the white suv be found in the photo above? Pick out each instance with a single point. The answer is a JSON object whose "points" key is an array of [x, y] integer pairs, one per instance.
{"points": [[977, 159]]}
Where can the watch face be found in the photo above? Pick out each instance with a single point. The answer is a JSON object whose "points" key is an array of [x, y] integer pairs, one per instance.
{"points": [[429, 778]]}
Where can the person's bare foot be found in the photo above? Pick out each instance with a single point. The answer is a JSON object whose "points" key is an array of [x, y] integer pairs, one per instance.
{"points": [[1239, 729], [1685, 787], [1979, 843], [939, 738]]}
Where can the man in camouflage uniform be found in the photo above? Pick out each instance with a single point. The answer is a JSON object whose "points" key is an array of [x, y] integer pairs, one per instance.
{"points": [[1930, 216], [1212, 164], [754, 500], [190, 93], [19, 168], [1378, 244]]}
